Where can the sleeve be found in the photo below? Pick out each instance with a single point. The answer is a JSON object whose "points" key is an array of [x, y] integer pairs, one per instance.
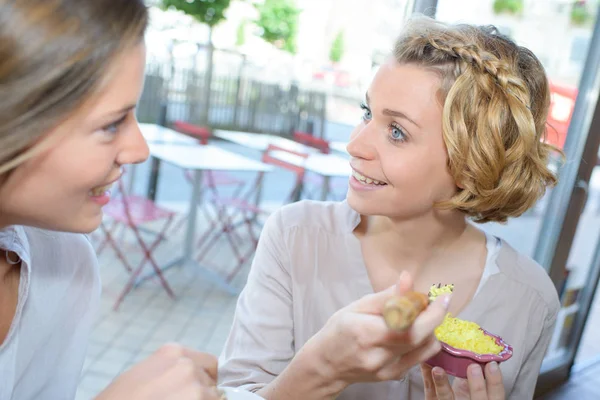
{"points": [[526, 380], [261, 340]]}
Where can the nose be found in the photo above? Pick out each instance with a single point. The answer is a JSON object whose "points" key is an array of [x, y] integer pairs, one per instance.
{"points": [[361, 143], [134, 149]]}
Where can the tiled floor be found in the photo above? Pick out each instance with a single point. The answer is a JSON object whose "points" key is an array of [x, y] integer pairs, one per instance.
{"points": [[200, 318]]}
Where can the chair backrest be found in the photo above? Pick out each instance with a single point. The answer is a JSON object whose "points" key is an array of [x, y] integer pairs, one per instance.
{"points": [[268, 158], [307, 139], [198, 132], [298, 170]]}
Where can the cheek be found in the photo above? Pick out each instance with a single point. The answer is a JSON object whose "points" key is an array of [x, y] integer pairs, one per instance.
{"points": [[425, 174]]}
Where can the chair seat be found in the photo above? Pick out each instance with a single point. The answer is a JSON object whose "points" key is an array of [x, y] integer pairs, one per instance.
{"points": [[141, 209], [219, 178], [239, 204]]}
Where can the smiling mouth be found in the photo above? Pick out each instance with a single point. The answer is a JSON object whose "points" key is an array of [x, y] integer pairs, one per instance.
{"points": [[366, 180], [100, 190]]}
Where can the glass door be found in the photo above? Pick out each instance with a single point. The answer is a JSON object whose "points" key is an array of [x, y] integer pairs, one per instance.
{"points": [[565, 37], [570, 246]]}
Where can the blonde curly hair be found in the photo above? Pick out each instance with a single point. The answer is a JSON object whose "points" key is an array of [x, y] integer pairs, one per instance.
{"points": [[495, 97]]}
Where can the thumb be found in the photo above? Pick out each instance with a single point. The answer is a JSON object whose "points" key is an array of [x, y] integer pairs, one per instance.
{"points": [[373, 303]]}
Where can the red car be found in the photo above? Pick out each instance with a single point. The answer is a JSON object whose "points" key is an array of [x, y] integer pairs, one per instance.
{"points": [[561, 110]]}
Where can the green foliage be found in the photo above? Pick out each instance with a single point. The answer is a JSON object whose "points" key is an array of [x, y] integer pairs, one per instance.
{"points": [[209, 12], [514, 7], [337, 48], [278, 20], [240, 37], [580, 15]]}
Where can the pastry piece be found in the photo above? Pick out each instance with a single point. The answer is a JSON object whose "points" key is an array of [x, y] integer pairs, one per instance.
{"points": [[400, 312]]}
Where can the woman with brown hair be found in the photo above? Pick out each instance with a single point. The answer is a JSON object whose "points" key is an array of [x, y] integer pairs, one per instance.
{"points": [[71, 72], [451, 136]]}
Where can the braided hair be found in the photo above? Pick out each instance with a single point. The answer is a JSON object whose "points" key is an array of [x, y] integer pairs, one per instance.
{"points": [[495, 98]]}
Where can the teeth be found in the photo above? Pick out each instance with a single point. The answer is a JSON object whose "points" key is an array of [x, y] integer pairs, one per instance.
{"points": [[99, 191], [366, 180]]}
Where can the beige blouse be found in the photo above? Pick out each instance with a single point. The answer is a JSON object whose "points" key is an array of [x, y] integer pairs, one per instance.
{"points": [[308, 265]]}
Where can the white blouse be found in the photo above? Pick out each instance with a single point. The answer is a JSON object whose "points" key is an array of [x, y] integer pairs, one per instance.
{"points": [[308, 265], [43, 354]]}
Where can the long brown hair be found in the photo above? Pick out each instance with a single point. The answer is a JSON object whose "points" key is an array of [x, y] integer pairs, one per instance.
{"points": [[495, 97], [54, 54]]}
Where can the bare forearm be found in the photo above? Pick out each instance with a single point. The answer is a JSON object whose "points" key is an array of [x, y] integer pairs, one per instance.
{"points": [[303, 379]]}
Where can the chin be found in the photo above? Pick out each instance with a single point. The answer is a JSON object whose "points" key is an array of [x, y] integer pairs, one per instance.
{"points": [[80, 225], [362, 206]]}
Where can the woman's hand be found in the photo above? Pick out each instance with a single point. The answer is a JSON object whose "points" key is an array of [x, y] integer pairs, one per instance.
{"points": [[172, 372], [479, 385], [357, 346]]}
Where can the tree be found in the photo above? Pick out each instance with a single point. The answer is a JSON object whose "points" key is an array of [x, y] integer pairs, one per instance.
{"points": [[278, 20], [240, 36], [337, 48], [209, 12], [514, 7]]}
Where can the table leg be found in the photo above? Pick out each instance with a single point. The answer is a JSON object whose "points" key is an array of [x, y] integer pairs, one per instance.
{"points": [[325, 188], [153, 180], [190, 235]]}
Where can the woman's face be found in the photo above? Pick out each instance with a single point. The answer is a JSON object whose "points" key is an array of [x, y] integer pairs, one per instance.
{"points": [[399, 158], [65, 186]]}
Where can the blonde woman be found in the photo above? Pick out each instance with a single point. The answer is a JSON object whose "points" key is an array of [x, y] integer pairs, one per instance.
{"points": [[451, 134], [71, 73]]}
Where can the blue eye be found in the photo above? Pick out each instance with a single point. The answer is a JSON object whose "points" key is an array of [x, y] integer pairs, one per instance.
{"points": [[367, 116], [113, 128], [397, 134]]}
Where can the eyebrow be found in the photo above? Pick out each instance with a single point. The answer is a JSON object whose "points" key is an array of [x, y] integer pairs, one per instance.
{"points": [[392, 113], [123, 110]]}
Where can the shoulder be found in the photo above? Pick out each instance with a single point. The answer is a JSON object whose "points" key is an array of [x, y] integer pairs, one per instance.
{"points": [[531, 276], [75, 246], [62, 253], [325, 216]]}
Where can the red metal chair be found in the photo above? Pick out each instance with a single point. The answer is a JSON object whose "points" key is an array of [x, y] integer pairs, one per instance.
{"points": [[233, 213], [316, 180], [132, 212], [216, 178], [309, 140], [203, 134]]}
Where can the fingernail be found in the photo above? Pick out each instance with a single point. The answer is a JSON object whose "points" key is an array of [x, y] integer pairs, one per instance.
{"points": [[475, 370], [438, 373], [446, 300], [493, 367]]}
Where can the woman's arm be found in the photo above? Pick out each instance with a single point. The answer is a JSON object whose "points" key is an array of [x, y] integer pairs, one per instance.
{"points": [[259, 354]]}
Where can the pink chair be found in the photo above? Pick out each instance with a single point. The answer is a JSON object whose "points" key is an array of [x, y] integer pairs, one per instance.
{"points": [[242, 212], [132, 212]]}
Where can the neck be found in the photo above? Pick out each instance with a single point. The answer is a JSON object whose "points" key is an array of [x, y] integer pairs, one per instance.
{"points": [[7, 269], [418, 241]]}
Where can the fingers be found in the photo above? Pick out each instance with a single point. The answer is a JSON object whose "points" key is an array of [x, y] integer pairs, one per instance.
{"points": [[428, 382], [404, 284], [374, 303], [405, 362], [195, 392], [494, 382], [429, 319], [187, 365], [477, 385], [206, 365], [442, 386]]}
